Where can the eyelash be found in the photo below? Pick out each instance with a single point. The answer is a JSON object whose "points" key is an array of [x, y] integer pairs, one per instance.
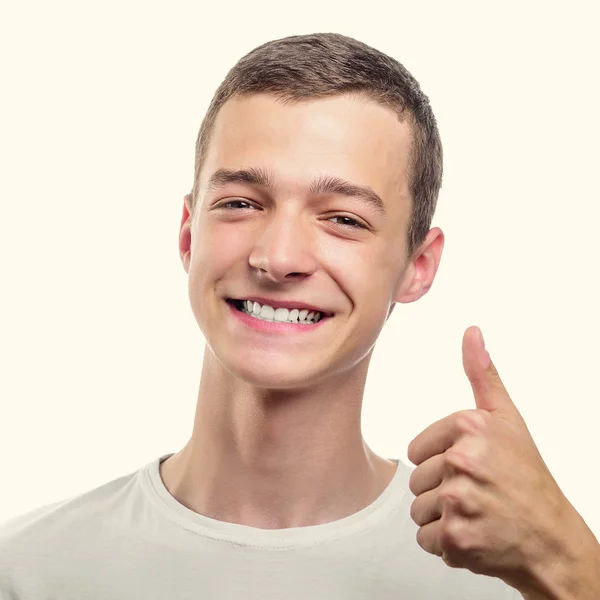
{"points": [[356, 224]]}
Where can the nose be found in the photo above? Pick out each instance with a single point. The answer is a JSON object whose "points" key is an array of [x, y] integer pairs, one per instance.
{"points": [[283, 249]]}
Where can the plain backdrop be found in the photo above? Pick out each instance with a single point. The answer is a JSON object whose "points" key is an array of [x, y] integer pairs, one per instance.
{"points": [[100, 107]]}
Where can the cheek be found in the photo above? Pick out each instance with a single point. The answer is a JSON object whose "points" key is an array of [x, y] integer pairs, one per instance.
{"points": [[215, 248], [216, 253], [361, 271], [368, 282], [349, 260]]}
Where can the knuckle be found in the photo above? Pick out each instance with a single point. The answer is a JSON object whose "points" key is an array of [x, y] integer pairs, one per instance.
{"points": [[453, 536], [470, 420], [456, 459], [450, 493]]}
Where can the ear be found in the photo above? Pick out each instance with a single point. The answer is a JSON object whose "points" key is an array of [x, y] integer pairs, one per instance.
{"points": [[185, 235], [187, 208], [421, 269]]}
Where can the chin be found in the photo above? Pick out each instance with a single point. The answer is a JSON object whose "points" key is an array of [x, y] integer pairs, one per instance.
{"points": [[282, 374]]}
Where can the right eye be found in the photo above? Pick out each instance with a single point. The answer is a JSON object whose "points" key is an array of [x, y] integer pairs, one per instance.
{"points": [[230, 203]]}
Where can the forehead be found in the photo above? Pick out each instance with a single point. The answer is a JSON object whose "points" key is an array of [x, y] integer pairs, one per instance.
{"points": [[346, 136]]}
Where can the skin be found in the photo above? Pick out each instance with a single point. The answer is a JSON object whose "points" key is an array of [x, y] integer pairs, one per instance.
{"points": [[487, 502], [277, 439]]}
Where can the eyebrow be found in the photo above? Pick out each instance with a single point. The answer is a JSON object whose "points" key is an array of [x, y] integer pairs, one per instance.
{"points": [[324, 184]]}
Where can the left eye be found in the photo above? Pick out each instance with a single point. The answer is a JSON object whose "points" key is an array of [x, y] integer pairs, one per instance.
{"points": [[349, 222]]}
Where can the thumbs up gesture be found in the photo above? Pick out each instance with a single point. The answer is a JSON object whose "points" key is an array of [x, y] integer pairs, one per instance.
{"points": [[485, 499]]}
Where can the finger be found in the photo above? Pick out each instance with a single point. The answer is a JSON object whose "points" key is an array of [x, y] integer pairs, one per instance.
{"points": [[428, 475], [433, 440], [460, 496], [426, 507], [457, 495], [448, 537], [443, 434], [428, 537], [439, 536], [467, 457]]}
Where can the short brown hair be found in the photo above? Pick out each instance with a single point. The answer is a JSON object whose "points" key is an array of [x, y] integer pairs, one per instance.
{"points": [[319, 65]]}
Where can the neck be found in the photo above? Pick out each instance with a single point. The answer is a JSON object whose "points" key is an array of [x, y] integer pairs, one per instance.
{"points": [[277, 458]]}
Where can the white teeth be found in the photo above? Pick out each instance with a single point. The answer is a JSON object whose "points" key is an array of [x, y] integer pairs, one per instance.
{"points": [[280, 315], [267, 311]]}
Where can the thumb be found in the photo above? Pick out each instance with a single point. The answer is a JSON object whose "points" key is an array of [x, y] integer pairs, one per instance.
{"points": [[488, 389]]}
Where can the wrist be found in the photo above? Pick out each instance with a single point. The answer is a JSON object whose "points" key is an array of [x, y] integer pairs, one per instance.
{"points": [[570, 567]]}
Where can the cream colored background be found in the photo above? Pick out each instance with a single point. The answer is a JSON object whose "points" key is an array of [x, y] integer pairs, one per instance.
{"points": [[101, 104]]}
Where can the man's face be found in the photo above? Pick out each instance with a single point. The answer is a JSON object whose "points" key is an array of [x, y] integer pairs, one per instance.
{"points": [[291, 242]]}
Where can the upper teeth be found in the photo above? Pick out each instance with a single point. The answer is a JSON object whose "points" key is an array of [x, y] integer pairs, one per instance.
{"points": [[283, 315]]}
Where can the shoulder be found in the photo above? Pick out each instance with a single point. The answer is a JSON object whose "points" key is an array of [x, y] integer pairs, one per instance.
{"points": [[21, 551], [36, 546]]}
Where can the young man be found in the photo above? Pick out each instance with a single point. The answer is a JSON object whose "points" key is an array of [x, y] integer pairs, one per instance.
{"points": [[318, 167]]}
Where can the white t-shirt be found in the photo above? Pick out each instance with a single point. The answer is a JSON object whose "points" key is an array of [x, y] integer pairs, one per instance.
{"points": [[130, 538]]}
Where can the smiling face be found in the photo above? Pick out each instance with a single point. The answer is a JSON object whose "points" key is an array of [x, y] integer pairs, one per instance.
{"points": [[302, 204]]}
